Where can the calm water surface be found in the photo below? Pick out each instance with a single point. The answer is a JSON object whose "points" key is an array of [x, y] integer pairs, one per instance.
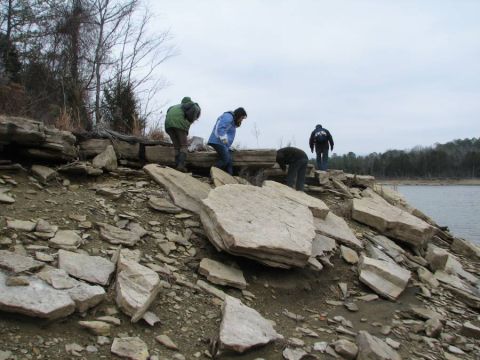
{"points": [[457, 207]]}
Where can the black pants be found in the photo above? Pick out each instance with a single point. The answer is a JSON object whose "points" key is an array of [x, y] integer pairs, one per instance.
{"points": [[297, 170], [179, 140]]}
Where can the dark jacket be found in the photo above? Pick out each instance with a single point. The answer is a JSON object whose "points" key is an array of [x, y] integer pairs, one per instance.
{"points": [[289, 155], [320, 146]]}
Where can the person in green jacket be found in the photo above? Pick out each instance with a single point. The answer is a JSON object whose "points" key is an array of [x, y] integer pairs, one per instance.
{"points": [[177, 123]]}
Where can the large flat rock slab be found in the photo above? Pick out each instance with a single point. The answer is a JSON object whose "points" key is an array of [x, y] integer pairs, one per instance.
{"points": [[221, 274], [38, 299], [243, 327], [257, 223], [335, 227], [18, 263], [94, 269], [390, 220], [186, 191], [136, 287], [318, 207], [385, 278]]}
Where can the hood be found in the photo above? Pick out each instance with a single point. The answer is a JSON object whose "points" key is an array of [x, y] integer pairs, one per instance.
{"points": [[319, 127], [186, 100]]}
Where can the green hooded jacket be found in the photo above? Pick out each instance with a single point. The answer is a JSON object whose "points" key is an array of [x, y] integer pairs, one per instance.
{"points": [[176, 116]]}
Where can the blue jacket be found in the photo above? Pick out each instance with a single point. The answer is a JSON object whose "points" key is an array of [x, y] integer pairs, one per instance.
{"points": [[224, 128]]}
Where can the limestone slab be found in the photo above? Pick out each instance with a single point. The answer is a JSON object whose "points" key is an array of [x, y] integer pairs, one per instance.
{"points": [[132, 348], [373, 348], [6, 199], [65, 239], [322, 245], [317, 207], [257, 223], [117, 236], [44, 173], [385, 278], [335, 227], [163, 205], [106, 160], [21, 225], [136, 287], [38, 299], [243, 327], [219, 273], [94, 269], [390, 220], [186, 191], [221, 177], [18, 263]]}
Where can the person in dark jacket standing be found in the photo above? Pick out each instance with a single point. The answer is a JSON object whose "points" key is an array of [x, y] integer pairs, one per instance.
{"points": [[223, 134], [177, 124], [297, 161], [321, 139]]}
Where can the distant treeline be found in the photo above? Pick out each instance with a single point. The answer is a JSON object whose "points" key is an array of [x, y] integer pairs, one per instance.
{"points": [[455, 159]]}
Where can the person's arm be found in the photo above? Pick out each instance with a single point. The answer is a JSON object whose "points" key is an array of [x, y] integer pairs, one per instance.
{"points": [[281, 160], [312, 141], [330, 140], [224, 123]]}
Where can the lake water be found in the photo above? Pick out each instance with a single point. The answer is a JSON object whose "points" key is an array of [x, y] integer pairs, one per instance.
{"points": [[457, 207]]}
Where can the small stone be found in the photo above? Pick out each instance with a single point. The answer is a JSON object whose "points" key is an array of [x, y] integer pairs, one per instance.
{"points": [[166, 341], [151, 318], [346, 349], [103, 340], [320, 346], [65, 239], [294, 354], [433, 327], [21, 225], [132, 348], [455, 350], [17, 281], [349, 255], [394, 344], [96, 327]]}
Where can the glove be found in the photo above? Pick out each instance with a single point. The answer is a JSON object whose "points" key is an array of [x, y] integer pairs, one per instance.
{"points": [[331, 148], [224, 139]]}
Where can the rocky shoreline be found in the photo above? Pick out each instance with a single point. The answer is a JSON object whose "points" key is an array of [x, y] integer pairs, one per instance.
{"points": [[157, 264]]}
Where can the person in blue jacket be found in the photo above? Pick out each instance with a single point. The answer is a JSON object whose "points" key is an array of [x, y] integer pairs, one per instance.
{"points": [[223, 135]]}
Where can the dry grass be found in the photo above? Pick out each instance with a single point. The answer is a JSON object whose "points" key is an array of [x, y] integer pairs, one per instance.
{"points": [[156, 132]]}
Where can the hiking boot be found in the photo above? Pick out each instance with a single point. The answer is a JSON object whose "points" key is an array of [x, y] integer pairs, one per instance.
{"points": [[181, 162]]}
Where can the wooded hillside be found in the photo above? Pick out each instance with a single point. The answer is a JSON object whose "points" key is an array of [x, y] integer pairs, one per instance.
{"points": [[457, 159]]}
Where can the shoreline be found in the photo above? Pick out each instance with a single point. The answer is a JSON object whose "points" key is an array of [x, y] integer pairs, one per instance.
{"points": [[432, 182]]}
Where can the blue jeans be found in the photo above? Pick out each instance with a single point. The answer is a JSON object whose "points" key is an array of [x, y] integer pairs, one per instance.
{"points": [[225, 158], [297, 170], [322, 159]]}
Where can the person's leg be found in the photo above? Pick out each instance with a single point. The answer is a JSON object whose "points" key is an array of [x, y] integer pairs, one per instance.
{"points": [[175, 141], [319, 159], [292, 173], [183, 150], [224, 161], [302, 170], [325, 159]]}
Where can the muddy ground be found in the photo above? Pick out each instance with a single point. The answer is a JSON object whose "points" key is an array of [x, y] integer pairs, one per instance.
{"points": [[188, 316]]}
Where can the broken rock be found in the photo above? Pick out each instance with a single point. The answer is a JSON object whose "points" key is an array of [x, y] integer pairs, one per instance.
{"points": [[106, 160], [136, 288], [94, 269], [222, 274], [117, 236], [243, 328], [18, 263], [372, 348], [385, 278], [38, 299], [337, 228], [44, 173], [186, 191], [221, 177], [132, 348], [390, 220], [163, 205], [65, 239]]}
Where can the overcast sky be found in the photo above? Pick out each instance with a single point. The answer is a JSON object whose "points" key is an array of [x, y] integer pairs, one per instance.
{"points": [[380, 75]]}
